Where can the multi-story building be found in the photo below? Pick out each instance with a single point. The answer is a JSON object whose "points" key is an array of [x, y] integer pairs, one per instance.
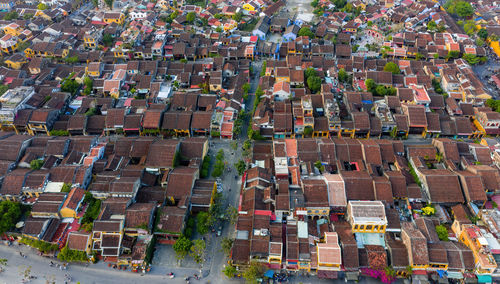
{"points": [[472, 237], [12, 101], [367, 216]]}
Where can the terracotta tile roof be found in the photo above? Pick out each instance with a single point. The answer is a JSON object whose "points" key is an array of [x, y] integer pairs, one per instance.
{"points": [[140, 146], [172, 219], [74, 197], [139, 214], [152, 119], [115, 118], [443, 186], [13, 182], [161, 153], [180, 120], [180, 182], [315, 193], [358, 185], [397, 253], [437, 253], [193, 147], [472, 186], [78, 241], [132, 122], [201, 120], [427, 227]]}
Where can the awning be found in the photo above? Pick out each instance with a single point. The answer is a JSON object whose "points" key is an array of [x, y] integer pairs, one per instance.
{"points": [[484, 278], [269, 273], [455, 275]]}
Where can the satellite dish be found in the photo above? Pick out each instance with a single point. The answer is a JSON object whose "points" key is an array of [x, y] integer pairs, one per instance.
{"points": [[19, 225]]}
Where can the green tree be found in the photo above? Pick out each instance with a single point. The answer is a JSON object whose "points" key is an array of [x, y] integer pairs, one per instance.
{"points": [[182, 247], [339, 4], [370, 23], [41, 6], [197, 250], [263, 70], [453, 54], [370, 85], [237, 16], [314, 83], [308, 130], [9, 16], [432, 26], [218, 29], [36, 164], [226, 245], [66, 187], [232, 214], [479, 41], [472, 59], [88, 84], [319, 166], [229, 271], [240, 167], [107, 40], [28, 16], [253, 272], [310, 72], [442, 232], [190, 17], [305, 31], [246, 88], [483, 33], [464, 9], [470, 27], [69, 84], [95, 3], [109, 3], [71, 59], [381, 90], [202, 222], [342, 75], [10, 212], [392, 67]]}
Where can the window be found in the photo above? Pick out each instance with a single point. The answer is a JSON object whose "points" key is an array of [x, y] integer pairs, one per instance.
{"points": [[355, 227], [369, 227], [375, 227]]}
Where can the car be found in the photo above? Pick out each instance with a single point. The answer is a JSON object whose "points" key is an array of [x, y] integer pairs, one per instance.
{"points": [[219, 232]]}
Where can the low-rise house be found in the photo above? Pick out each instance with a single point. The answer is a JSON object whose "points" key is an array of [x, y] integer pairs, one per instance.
{"points": [[42, 229], [73, 203], [79, 241], [107, 236], [48, 205], [367, 216], [329, 255], [416, 245], [139, 219]]}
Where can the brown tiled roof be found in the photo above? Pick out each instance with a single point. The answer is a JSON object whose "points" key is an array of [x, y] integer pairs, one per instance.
{"points": [[180, 182], [107, 226], [13, 182], [201, 120], [241, 251], [472, 186], [115, 117], [427, 227], [172, 219], [74, 197], [132, 122], [96, 124], [193, 147], [139, 214], [140, 147], [180, 120], [437, 253], [152, 119], [123, 185], [78, 240], [383, 190], [489, 175], [397, 253], [64, 174], [443, 186], [161, 153], [77, 122], [358, 185], [415, 243], [315, 193], [416, 115]]}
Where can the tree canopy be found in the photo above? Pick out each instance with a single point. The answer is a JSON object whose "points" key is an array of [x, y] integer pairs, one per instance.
{"points": [[182, 247], [392, 67], [305, 31], [253, 272], [198, 250], [10, 212], [461, 8], [190, 17], [314, 83]]}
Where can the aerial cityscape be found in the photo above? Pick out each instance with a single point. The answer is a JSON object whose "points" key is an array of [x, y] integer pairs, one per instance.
{"points": [[249, 141]]}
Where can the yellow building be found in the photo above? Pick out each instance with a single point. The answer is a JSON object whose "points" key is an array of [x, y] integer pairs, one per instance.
{"points": [[367, 216], [250, 6], [473, 238], [114, 17], [13, 29], [72, 203]]}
